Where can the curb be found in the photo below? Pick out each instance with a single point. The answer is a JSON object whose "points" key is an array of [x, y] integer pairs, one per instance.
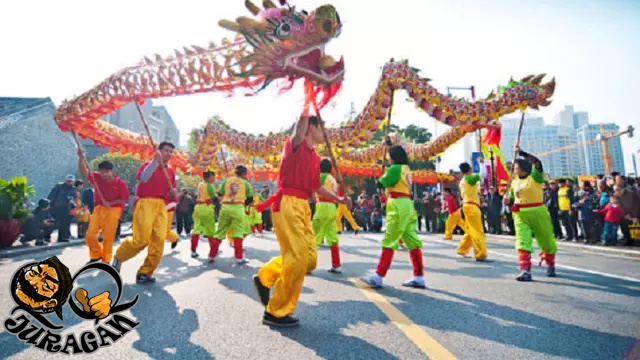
{"points": [[27, 250], [579, 247]]}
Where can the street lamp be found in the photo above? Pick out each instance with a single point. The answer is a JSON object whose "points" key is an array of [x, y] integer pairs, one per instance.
{"points": [[472, 89]]}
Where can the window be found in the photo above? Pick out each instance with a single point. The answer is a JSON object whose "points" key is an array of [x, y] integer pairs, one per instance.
{"points": [[130, 125], [155, 132]]}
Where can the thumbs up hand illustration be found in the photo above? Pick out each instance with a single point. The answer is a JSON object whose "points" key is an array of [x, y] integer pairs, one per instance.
{"points": [[98, 305]]}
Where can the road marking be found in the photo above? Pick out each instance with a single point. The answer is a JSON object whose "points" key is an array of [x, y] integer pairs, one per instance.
{"points": [[568, 267], [428, 345]]}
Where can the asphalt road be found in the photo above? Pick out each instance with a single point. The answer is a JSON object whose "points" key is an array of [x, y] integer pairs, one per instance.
{"points": [[470, 310]]}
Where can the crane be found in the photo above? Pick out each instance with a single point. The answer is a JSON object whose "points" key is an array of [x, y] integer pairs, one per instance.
{"points": [[603, 138]]}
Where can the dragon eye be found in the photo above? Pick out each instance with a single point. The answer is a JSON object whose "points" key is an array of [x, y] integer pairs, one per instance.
{"points": [[327, 25], [283, 31]]}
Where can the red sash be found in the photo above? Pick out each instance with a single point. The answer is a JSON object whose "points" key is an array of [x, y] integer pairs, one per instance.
{"points": [[517, 207], [398, 195]]}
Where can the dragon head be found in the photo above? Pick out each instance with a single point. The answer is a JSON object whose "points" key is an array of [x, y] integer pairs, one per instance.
{"points": [[289, 43], [529, 91]]}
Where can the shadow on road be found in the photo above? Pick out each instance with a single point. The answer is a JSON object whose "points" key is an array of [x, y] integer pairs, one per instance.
{"points": [[490, 321]]}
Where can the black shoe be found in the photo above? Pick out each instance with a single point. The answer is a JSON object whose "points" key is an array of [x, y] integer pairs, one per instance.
{"points": [[339, 232], [356, 232], [174, 244], [484, 260], [47, 240], [551, 271], [116, 264], [144, 279], [263, 291], [40, 242], [63, 240], [287, 321]]}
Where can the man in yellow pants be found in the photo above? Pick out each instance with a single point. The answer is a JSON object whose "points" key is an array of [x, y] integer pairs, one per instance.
{"points": [[150, 214], [106, 214], [298, 180], [344, 213], [204, 221], [474, 229], [236, 192], [324, 219], [172, 236], [455, 215]]}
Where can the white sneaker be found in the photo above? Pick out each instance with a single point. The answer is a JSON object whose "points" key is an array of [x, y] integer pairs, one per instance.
{"points": [[335, 270], [194, 255], [373, 280], [241, 261]]}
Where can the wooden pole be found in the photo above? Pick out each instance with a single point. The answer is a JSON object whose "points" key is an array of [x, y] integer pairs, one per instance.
{"points": [[224, 161], [153, 145], [86, 164], [515, 153]]}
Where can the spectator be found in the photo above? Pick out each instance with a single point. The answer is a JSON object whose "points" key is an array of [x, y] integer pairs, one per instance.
{"points": [[551, 201], [39, 226], [376, 220], [565, 197], [584, 207], [428, 203], [494, 201], [613, 214], [183, 213], [63, 199], [88, 199], [630, 202]]}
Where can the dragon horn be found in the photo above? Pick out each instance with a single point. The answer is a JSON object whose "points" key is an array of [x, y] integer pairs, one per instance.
{"points": [[252, 7], [550, 86], [545, 103], [534, 107], [491, 95], [229, 25], [536, 80], [246, 23], [268, 4], [526, 78], [148, 61]]}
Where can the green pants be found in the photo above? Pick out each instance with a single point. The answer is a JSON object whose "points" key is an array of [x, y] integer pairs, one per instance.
{"points": [[231, 216], [402, 222], [204, 221], [530, 221], [324, 223]]}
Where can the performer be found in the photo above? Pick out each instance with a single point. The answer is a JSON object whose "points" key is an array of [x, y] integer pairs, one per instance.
{"points": [[473, 227], [298, 179], [105, 215], [236, 192], [204, 212], [255, 216], [402, 221], [530, 215], [455, 215], [344, 213], [150, 214], [172, 236], [324, 220]]}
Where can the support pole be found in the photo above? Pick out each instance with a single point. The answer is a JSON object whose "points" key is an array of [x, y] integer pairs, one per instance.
{"points": [[153, 145], [86, 164]]}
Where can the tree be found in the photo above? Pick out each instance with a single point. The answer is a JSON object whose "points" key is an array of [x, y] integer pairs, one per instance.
{"points": [[188, 182], [124, 166]]}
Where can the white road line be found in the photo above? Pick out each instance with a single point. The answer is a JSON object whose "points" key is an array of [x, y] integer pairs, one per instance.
{"points": [[568, 267]]}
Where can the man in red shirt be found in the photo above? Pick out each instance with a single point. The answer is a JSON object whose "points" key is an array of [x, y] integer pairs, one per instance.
{"points": [[298, 180], [111, 195], [150, 214]]}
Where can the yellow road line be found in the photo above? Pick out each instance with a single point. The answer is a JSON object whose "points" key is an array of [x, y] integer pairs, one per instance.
{"points": [[424, 341]]}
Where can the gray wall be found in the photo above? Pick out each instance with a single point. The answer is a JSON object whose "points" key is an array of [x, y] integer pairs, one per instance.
{"points": [[32, 145]]}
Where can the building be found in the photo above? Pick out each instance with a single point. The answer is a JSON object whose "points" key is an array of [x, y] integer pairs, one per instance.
{"points": [[32, 145], [538, 138], [593, 156], [160, 123]]}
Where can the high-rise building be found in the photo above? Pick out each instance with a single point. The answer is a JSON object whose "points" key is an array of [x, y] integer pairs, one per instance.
{"points": [[160, 123], [580, 119], [592, 151], [537, 138]]}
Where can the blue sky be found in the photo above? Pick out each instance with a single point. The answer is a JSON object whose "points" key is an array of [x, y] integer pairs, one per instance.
{"points": [[65, 47]]}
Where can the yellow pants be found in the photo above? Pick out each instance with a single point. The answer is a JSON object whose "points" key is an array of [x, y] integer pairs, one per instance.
{"points": [[149, 229], [298, 256], [171, 235], [103, 219], [453, 220], [343, 212], [474, 232]]}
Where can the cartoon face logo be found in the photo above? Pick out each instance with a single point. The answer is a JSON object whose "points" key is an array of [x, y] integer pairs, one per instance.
{"points": [[42, 287], [233, 190]]}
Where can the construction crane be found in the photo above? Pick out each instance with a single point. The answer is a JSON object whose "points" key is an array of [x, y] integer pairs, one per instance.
{"points": [[603, 138]]}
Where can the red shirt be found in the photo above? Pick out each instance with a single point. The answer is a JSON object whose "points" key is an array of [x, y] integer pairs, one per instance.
{"points": [[114, 191], [156, 187], [612, 214], [452, 205], [299, 168]]}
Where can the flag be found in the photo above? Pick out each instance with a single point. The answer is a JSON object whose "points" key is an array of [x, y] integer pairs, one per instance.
{"points": [[491, 143]]}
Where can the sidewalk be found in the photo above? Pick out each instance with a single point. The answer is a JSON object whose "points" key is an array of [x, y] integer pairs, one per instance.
{"points": [[624, 251], [18, 249]]}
